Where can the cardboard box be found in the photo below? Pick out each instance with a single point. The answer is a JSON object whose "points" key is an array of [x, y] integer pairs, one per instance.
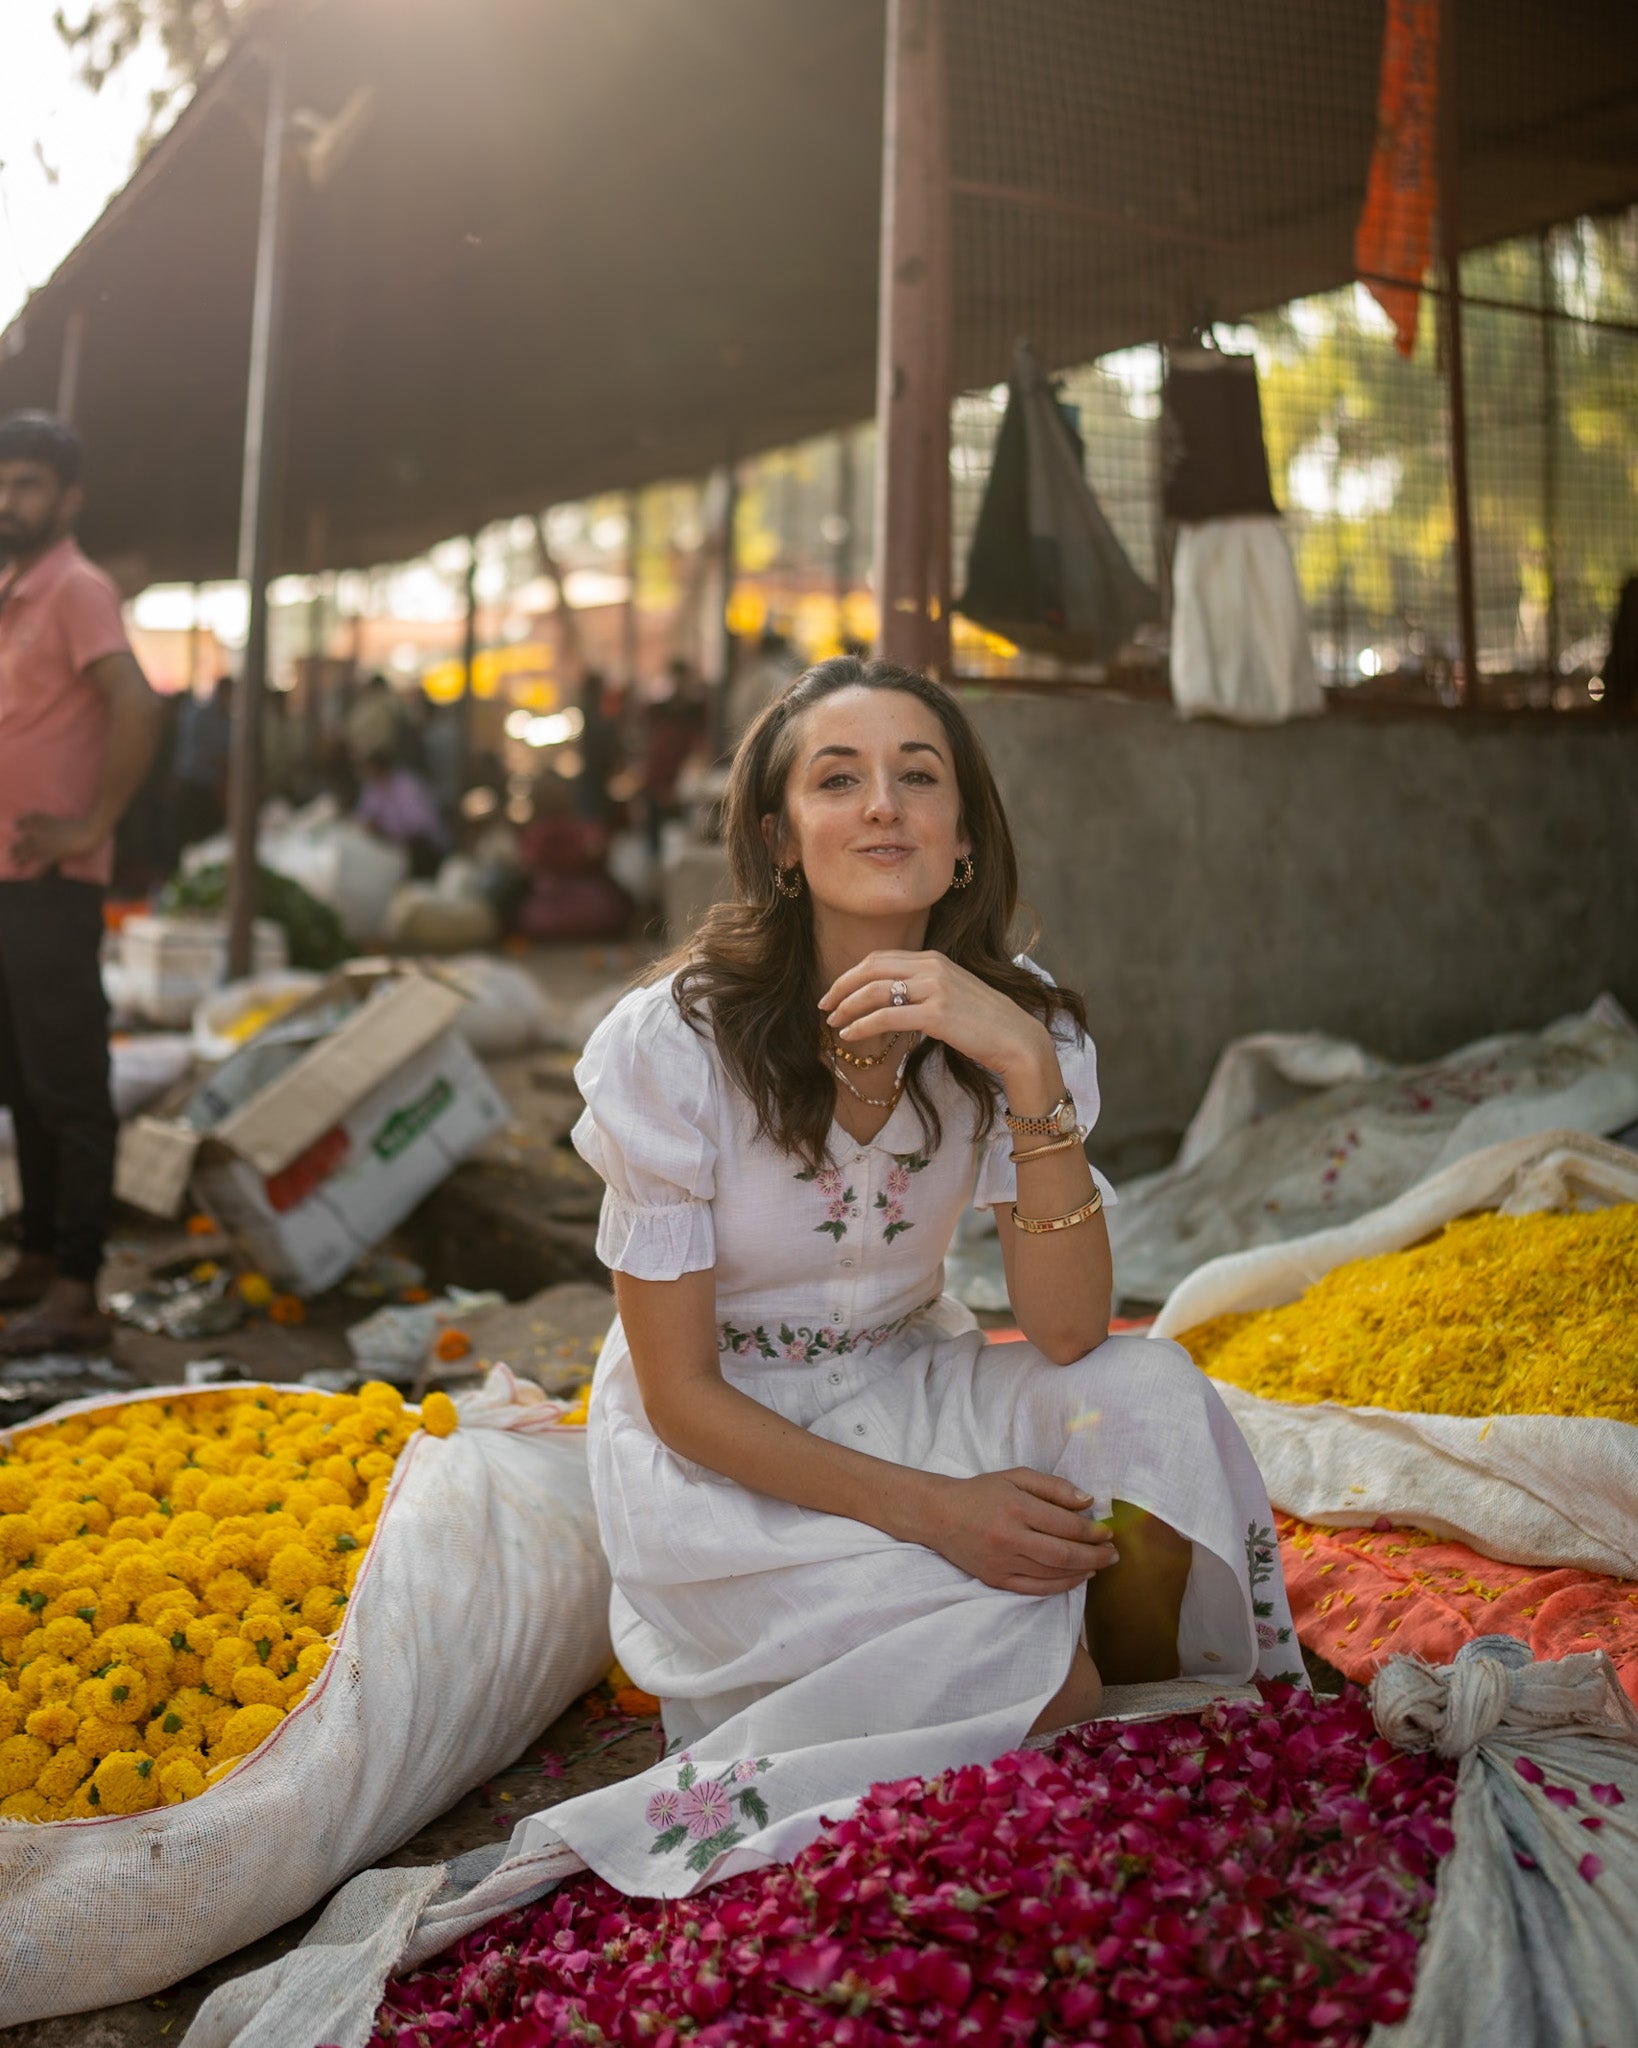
{"points": [[313, 1169]]}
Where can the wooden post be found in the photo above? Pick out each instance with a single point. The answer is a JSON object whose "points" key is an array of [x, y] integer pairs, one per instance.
{"points": [[256, 509], [1450, 244], [913, 346]]}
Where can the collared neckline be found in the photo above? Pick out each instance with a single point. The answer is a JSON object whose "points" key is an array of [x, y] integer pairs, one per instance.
{"points": [[19, 583]]}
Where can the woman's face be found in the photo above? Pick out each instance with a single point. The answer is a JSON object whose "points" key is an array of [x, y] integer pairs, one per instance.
{"points": [[873, 815]]}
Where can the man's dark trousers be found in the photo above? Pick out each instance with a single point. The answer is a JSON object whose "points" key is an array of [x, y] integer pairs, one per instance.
{"points": [[54, 1067]]}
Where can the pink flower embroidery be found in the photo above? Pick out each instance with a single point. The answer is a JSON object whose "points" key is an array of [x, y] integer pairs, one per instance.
{"points": [[829, 1180], [661, 1810], [836, 1210], [704, 1808], [1267, 1634], [898, 1181], [745, 1770]]}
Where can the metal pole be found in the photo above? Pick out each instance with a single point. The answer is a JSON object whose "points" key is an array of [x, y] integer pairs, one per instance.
{"points": [[256, 523], [628, 616], [730, 575], [68, 369], [569, 643], [313, 708], [469, 670], [1549, 449], [194, 644], [1451, 249], [841, 560], [913, 347]]}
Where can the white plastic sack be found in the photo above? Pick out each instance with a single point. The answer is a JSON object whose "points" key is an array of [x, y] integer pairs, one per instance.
{"points": [[219, 1021], [1240, 644], [480, 1613], [1531, 1940], [1544, 1490], [333, 859], [507, 1012], [1298, 1132], [420, 919]]}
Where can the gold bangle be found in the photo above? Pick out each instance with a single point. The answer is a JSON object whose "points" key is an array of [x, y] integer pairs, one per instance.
{"points": [[1040, 1151], [1038, 1226]]}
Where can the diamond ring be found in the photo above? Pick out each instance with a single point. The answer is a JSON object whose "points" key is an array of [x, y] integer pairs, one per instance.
{"points": [[899, 994]]}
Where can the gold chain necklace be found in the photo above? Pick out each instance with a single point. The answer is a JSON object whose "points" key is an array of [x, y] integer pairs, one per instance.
{"points": [[888, 1102], [861, 1059]]}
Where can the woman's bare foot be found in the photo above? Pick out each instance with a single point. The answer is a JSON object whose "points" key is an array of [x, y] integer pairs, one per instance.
{"points": [[26, 1279], [66, 1318], [1077, 1699]]}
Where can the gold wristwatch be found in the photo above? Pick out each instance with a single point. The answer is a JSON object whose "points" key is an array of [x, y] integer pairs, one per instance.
{"points": [[1058, 1122]]}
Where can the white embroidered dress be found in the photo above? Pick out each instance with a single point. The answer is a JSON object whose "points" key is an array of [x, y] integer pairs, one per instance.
{"points": [[802, 1656]]}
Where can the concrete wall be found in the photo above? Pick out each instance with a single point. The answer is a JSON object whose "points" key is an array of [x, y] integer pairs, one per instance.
{"points": [[1412, 884]]}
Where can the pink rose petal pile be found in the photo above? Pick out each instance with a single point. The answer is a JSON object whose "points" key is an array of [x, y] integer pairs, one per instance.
{"points": [[1251, 1876]]}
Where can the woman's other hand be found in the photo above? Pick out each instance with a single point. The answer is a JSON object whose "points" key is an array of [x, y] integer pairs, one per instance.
{"points": [[1019, 1531]]}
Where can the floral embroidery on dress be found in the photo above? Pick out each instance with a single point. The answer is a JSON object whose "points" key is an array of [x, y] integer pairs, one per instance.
{"points": [[801, 1345], [838, 1199], [1260, 1568], [701, 1811], [890, 1196]]}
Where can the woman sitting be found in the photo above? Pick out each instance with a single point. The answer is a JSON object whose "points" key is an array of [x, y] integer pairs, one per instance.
{"points": [[850, 1539]]}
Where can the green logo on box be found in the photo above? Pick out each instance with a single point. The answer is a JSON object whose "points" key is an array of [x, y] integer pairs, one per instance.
{"points": [[406, 1124]]}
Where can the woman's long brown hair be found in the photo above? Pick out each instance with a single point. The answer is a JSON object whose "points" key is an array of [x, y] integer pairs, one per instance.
{"points": [[751, 964]]}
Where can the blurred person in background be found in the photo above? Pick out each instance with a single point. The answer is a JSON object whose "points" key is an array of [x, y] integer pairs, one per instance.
{"points": [[79, 727], [674, 728], [570, 894], [600, 748], [375, 723], [396, 803], [199, 764]]}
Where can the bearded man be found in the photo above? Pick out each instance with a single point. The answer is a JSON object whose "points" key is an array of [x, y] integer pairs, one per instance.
{"points": [[78, 727]]}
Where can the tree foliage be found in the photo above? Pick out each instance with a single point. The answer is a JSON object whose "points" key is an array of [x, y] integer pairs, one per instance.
{"points": [[193, 34]]}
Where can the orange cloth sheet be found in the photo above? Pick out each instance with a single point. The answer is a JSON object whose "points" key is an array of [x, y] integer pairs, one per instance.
{"points": [[1359, 1596]]}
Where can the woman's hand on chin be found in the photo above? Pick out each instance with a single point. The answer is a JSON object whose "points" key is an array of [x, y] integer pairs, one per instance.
{"points": [[947, 1003], [1019, 1531]]}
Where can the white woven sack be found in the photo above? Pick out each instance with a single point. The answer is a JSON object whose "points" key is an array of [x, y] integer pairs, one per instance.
{"points": [[481, 1611], [1527, 1489]]}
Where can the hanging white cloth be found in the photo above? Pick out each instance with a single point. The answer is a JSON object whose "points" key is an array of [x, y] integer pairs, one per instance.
{"points": [[1240, 647]]}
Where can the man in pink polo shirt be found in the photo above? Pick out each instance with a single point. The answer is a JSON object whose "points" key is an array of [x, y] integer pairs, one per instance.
{"points": [[78, 726]]}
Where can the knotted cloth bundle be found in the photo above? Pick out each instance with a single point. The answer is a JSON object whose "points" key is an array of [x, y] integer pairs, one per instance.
{"points": [[1531, 1937]]}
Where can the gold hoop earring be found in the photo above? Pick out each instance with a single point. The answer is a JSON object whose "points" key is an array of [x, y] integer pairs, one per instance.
{"points": [[964, 872], [788, 881]]}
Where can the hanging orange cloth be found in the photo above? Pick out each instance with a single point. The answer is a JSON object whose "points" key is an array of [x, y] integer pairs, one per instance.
{"points": [[1395, 227]]}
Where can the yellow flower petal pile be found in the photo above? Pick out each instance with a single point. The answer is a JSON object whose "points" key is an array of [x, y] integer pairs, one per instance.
{"points": [[171, 1576], [1498, 1315]]}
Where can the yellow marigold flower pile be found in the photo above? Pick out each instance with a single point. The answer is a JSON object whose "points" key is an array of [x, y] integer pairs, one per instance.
{"points": [[172, 1574], [1498, 1315]]}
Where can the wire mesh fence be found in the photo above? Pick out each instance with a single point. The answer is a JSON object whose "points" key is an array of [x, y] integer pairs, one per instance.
{"points": [[1127, 177]]}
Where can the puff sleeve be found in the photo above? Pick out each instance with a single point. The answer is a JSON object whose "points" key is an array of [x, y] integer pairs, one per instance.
{"points": [[997, 1179], [650, 1129]]}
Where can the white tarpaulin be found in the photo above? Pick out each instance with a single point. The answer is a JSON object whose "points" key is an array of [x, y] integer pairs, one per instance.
{"points": [[1526, 1489], [1297, 1133]]}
